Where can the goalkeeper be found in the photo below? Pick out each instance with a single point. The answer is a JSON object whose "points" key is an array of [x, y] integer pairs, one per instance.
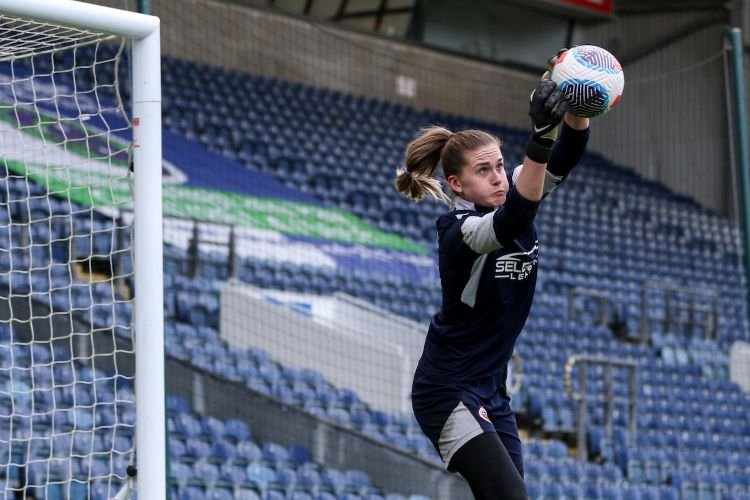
{"points": [[487, 256]]}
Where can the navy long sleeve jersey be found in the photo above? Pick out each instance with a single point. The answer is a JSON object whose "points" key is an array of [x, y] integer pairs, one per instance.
{"points": [[488, 270]]}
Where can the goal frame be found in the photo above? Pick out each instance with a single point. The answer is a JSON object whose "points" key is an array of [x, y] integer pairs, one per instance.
{"points": [[144, 33]]}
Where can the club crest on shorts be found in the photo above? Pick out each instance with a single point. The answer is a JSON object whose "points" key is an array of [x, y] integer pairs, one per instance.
{"points": [[483, 414]]}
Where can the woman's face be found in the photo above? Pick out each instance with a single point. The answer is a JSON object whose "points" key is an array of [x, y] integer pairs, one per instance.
{"points": [[482, 180]]}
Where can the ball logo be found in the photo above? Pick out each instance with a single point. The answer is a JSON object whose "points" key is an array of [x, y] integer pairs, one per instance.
{"points": [[483, 414], [597, 59]]}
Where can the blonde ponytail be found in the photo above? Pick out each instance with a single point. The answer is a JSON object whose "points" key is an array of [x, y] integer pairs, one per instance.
{"points": [[414, 180]]}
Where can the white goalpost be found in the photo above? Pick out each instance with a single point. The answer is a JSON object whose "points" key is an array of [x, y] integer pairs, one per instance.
{"points": [[82, 392]]}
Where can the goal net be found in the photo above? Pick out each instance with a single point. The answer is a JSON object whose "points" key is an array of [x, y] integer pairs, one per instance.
{"points": [[67, 280]]}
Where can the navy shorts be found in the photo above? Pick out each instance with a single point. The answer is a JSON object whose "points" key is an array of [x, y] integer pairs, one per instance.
{"points": [[452, 414]]}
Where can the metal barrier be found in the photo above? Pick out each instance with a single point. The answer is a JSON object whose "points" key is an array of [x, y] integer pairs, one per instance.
{"points": [[601, 297], [608, 398], [697, 301], [193, 252]]}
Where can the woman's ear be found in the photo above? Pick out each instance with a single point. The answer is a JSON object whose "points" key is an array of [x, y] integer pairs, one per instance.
{"points": [[454, 183]]}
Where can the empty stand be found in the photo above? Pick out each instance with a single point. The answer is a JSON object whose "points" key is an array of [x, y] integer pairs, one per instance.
{"points": [[606, 229]]}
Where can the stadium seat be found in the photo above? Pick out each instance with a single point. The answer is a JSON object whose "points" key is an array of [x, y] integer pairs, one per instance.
{"points": [[262, 477], [219, 494], [206, 474], [191, 493], [536, 470], [339, 415], [185, 425], [300, 495], [232, 475], [247, 452], [181, 474], [246, 494], [323, 495], [591, 490], [308, 478], [610, 491], [275, 454], [333, 480], [287, 477], [222, 451], [553, 490], [572, 491], [299, 454], [196, 450], [357, 481]]}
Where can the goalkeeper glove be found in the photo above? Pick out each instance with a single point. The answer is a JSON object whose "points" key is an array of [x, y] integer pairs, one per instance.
{"points": [[547, 107]]}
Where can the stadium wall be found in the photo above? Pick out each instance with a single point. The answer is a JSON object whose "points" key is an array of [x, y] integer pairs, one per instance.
{"points": [[356, 355]]}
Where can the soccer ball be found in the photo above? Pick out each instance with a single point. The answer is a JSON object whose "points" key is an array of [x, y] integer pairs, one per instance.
{"points": [[591, 79]]}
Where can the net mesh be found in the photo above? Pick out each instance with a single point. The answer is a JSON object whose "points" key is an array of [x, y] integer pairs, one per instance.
{"points": [[299, 284], [300, 287], [21, 38], [66, 357]]}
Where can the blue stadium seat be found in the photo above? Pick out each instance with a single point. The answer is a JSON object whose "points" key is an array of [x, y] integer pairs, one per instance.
{"points": [[611, 474], [553, 490], [287, 477], [536, 470], [610, 491], [576, 471], [186, 425], [339, 415], [222, 451], [300, 495], [181, 473], [308, 478], [273, 495], [248, 452], [236, 430], [668, 493], [219, 494], [284, 393], [592, 490], [556, 449], [196, 450], [535, 489], [232, 475], [372, 430], [261, 476], [191, 493], [631, 492], [275, 454], [176, 404], [206, 474], [654, 461], [299, 454], [333, 480], [572, 490]]}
